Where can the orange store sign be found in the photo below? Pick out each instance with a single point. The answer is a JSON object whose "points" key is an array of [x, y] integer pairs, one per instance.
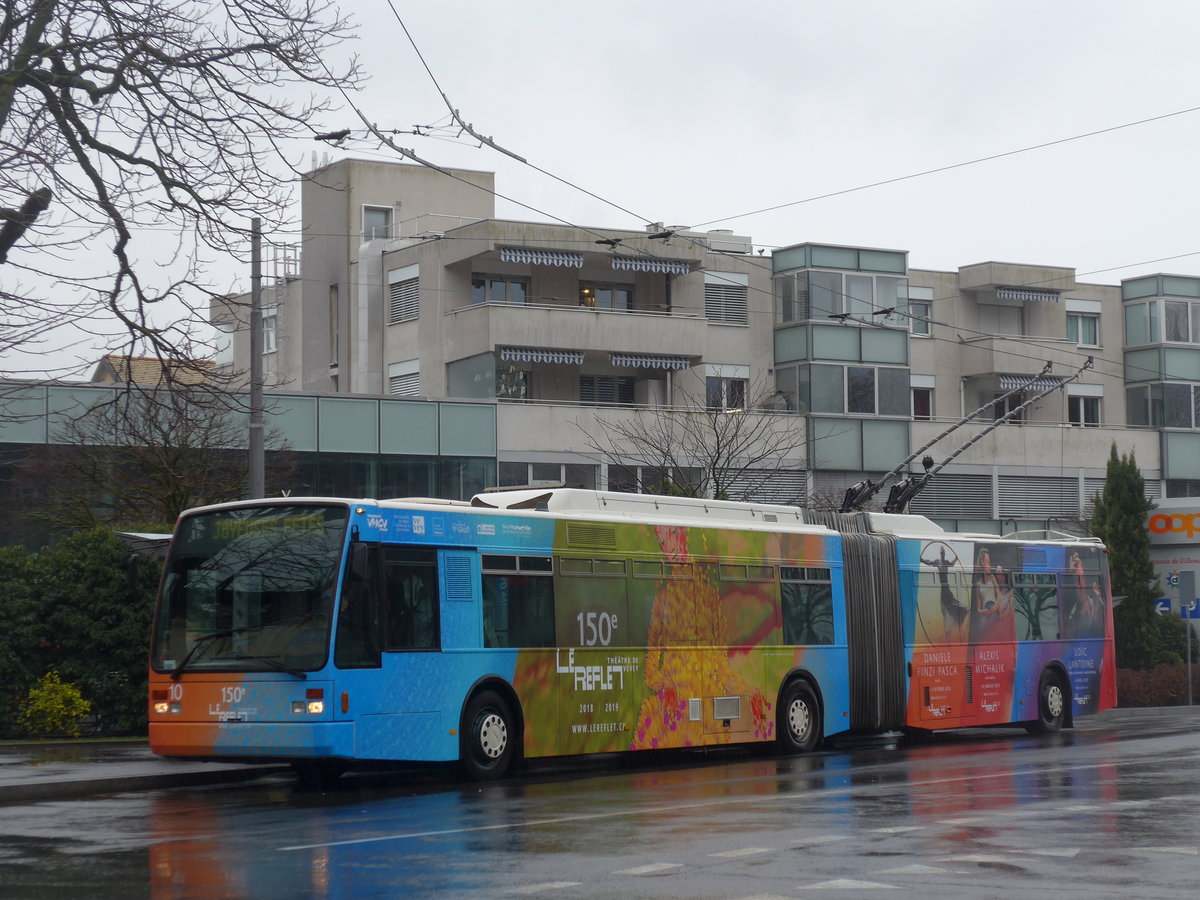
{"points": [[1178, 525]]}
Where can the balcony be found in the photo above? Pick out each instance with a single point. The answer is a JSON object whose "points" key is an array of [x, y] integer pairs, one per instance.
{"points": [[1035, 447], [989, 355], [481, 328]]}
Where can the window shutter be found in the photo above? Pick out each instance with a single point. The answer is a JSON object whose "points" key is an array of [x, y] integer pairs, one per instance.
{"points": [[725, 297], [404, 378], [403, 294], [404, 300], [405, 385]]}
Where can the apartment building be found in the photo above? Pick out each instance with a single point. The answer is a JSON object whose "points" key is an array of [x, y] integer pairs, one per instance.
{"points": [[409, 287]]}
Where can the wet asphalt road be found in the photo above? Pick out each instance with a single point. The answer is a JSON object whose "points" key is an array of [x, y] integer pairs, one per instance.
{"points": [[1109, 810]]}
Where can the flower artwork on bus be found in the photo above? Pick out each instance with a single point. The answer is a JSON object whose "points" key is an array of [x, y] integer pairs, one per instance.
{"points": [[643, 638]]}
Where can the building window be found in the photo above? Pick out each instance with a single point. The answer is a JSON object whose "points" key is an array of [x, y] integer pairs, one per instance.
{"points": [[818, 295], [860, 390], [654, 479], [725, 297], [606, 389], [512, 384], [787, 308], [1179, 404], [404, 378], [597, 295], [725, 393], [334, 327], [499, 289], [270, 323], [1182, 321], [1083, 329], [223, 346], [404, 294], [1084, 411], [1141, 324], [1007, 405], [922, 403], [377, 223], [1001, 320], [918, 317], [573, 475], [855, 390]]}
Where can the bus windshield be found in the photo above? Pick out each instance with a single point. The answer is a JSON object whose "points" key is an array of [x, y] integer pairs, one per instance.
{"points": [[250, 589]]}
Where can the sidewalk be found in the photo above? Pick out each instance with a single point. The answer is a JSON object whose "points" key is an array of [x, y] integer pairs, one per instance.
{"points": [[68, 769]]}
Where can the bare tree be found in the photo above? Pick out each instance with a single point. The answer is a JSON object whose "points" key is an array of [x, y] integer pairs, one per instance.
{"points": [[127, 123], [698, 451], [140, 460]]}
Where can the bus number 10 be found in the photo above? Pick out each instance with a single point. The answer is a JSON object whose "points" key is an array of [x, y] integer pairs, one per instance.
{"points": [[596, 628]]}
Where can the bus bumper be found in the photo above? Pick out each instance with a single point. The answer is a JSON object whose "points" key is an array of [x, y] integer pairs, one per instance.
{"points": [[253, 740]]}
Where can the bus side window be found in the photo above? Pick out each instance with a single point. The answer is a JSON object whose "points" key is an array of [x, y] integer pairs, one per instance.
{"points": [[807, 602], [518, 601], [410, 601]]}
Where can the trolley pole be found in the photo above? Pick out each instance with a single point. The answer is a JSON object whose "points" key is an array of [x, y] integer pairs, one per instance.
{"points": [[256, 481]]}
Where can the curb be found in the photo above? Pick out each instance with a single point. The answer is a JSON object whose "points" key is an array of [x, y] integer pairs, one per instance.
{"points": [[63, 789]]}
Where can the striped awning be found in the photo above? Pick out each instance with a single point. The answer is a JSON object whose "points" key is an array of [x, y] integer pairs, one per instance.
{"points": [[648, 361], [1012, 382], [541, 355], [535, 257], [650, 264], [1027, 295]]}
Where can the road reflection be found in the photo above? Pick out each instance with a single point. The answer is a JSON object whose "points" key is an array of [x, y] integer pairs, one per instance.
{"points": [[434, 839]]}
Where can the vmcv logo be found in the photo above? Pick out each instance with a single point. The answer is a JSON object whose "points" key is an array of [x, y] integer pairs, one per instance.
{"points": [[1184, 524]]}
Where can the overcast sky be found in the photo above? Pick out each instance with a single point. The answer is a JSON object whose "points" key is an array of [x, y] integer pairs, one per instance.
{"points": [[698, 112], [694, 112]]}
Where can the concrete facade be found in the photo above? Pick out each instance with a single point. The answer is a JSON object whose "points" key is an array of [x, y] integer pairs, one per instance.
{"points": [[565, 327]]}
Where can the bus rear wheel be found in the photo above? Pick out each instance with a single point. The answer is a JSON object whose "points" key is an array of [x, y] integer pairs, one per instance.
{"points": [[488, 742], [1052, 704], [799, 719]]}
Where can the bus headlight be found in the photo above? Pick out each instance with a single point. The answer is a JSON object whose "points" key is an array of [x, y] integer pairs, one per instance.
{"points": [[161, 708], [316, 707]]}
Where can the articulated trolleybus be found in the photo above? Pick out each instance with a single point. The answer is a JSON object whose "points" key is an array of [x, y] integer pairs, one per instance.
{"points": [[562, 622]]}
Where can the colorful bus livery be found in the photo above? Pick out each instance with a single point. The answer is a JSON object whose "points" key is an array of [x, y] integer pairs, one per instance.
{"points": [[532, 624]]}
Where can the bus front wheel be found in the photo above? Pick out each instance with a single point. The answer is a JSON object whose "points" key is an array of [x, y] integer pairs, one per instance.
{"points": [[488, 737], [799, 719], [1052, 704]]}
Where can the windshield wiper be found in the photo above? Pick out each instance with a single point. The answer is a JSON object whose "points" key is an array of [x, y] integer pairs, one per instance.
{"points": [[201, 641], [273, 662]]}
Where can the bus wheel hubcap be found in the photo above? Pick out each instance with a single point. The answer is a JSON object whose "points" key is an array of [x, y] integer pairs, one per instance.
{"points": [[493, 736], [798, 718], [1054, 701]]}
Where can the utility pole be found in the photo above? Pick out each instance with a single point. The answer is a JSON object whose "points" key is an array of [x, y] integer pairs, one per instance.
{"points": [[256, 486]]}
